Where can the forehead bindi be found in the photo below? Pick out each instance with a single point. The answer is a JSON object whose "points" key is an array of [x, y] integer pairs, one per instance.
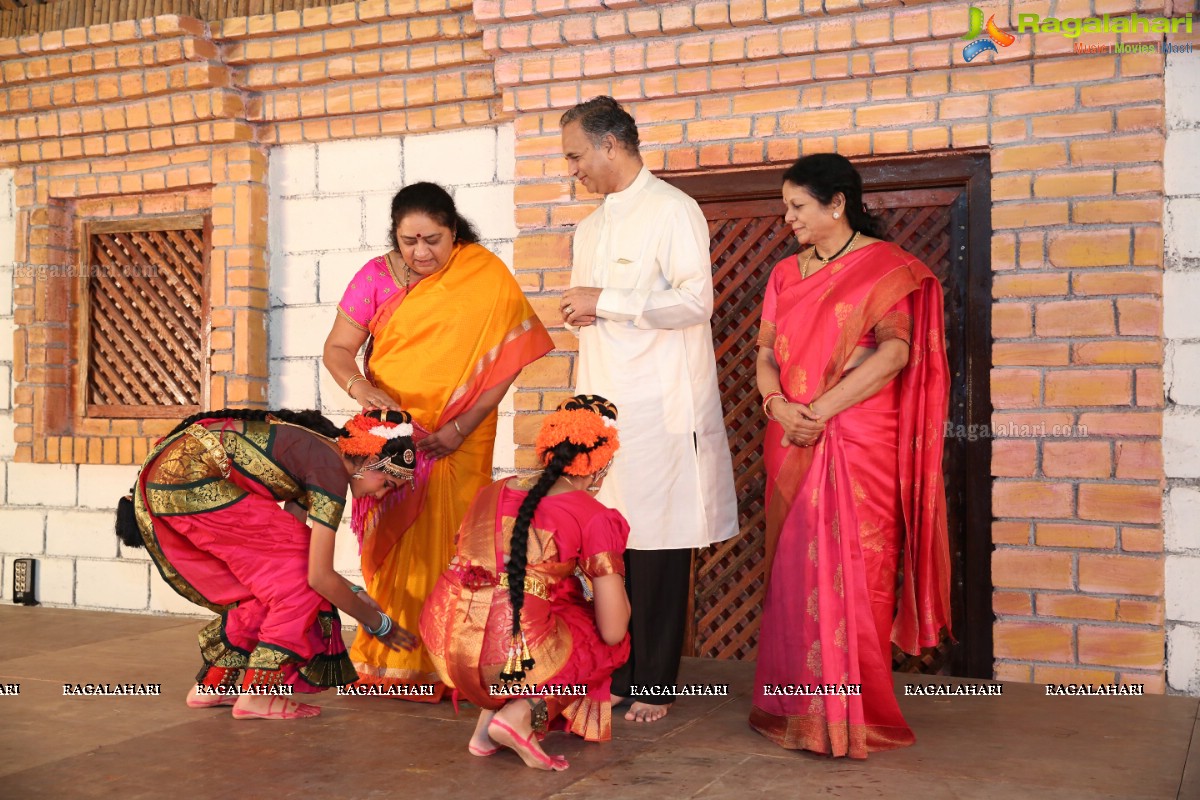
{"points": [[420, 226], [796, 195]]}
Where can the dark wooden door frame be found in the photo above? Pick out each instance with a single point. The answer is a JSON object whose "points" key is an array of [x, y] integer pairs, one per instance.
{"points": [[971, 171]]}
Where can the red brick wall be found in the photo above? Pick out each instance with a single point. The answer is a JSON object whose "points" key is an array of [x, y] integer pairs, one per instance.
{"points": [[1076, 146], [164, 115], [130, 118]]}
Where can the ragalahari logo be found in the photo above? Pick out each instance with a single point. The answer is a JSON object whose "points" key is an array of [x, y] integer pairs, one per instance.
{"points": [[992, 36]]}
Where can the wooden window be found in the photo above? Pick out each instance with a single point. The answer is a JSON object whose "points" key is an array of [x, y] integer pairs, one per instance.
{"points": [[144, 317]]}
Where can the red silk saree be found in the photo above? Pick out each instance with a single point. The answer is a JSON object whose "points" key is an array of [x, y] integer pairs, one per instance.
{"points": [[846, 515]]}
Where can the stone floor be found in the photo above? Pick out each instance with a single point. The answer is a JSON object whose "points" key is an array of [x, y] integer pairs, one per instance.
{"points": [[1020, 745]]}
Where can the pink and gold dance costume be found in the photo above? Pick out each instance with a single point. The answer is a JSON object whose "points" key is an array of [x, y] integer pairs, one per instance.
{"points": [[207, 503], [467, 623]]}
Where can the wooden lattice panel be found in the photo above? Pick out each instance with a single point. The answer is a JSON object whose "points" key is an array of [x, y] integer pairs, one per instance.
{"points": [[747, 239], [145, 322]]}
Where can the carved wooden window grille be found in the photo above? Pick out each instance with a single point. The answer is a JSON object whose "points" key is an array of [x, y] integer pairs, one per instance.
{"points": [[144, 317]]}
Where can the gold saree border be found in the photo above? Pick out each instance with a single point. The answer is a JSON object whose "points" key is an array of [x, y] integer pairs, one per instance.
{"points": [[154, 548], [813, 732]]}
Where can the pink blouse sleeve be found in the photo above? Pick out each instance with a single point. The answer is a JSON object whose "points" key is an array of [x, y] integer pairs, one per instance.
{"points": [[603, 549], [897, 323], [369, 289], [766, 325]]}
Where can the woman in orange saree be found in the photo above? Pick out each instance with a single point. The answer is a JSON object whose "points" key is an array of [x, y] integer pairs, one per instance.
{"points": [[852, 367], [449, 331]]}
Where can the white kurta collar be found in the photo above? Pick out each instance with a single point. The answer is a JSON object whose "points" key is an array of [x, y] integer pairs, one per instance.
{"points": [[630, 191]]}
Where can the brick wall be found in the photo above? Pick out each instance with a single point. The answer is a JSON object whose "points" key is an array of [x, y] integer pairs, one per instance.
{"points": [[1181, 436], [165, 115], [1076, 147]]}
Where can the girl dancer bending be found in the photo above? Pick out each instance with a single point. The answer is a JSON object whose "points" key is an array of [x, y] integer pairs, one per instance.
{"points": [[206, 507]]}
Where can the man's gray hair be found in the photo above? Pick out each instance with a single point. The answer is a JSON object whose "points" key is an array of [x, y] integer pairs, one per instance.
{"points": [[601, 116]]}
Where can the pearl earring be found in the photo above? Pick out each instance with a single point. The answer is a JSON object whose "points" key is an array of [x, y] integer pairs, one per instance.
{"points": [[837, 215]]}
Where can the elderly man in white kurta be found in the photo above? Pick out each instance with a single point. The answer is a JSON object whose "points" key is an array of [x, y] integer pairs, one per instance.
{"points": [[640, 300]]}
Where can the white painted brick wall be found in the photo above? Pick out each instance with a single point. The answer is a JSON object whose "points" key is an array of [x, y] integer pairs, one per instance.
{"points": [[81, 533], [359, 166], [455, 158], [56, 581], [22, 531], [165, 599], [1182, 510], [314, 257], [328, 215], [1183, 659], [112, 584], [43, 484], [1181, 328], [102, 485]]}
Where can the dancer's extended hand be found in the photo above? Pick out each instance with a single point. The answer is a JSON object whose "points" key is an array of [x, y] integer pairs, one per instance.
{"points": [[399, 639]]}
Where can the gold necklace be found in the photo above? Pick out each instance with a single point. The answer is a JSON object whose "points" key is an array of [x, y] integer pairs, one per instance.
{"points": [[825, 261]]}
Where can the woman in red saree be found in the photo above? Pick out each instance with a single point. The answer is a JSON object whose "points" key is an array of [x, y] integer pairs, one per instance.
{"points": [[534, 602], [448, 330], [852, 368], [207, 509]]}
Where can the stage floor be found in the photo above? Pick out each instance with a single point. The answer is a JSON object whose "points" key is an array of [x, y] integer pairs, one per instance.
{"points": [[1018, 745]]}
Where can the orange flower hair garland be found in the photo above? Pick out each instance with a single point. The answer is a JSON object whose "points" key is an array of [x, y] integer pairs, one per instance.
{"points": [[584, 428], [368, 436]]}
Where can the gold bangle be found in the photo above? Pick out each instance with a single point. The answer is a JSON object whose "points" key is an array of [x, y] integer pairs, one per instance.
{"points": [[454, 422], [353, 380]]}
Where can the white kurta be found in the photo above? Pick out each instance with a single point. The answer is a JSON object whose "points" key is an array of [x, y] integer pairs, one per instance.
{"points": [[651, 353]]}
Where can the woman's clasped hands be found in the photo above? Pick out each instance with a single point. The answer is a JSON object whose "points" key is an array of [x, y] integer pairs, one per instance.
{"points": [[801, 425]]}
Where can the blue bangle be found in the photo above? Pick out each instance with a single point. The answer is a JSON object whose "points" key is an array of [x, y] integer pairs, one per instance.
{"points": [[385, 627]]}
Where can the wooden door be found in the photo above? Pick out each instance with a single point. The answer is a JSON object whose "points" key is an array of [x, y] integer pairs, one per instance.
{"points": [[946, 226]]}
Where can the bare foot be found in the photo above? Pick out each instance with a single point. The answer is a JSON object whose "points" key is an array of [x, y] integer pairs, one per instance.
{"points": [[207, 700], [510, 727], [644, 712], [617, 700], [481, 744], [268, 706]]}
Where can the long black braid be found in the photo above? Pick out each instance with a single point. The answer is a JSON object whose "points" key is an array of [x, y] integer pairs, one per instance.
{"points": [[312, 419], [561, 457], [127, 527]]}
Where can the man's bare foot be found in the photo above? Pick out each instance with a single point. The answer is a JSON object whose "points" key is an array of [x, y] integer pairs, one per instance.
{"points": [[481, 744], [511, 728], [206, 700], [268, 706], [644, 712]]}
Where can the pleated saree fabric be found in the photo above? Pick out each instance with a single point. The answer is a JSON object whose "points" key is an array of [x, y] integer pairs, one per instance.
{"points": [[866, 502]]}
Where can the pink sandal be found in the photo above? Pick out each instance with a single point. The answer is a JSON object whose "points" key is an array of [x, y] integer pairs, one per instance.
{"points": [[210, 701], [481, 752], [524, 749], [241, 713]]}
